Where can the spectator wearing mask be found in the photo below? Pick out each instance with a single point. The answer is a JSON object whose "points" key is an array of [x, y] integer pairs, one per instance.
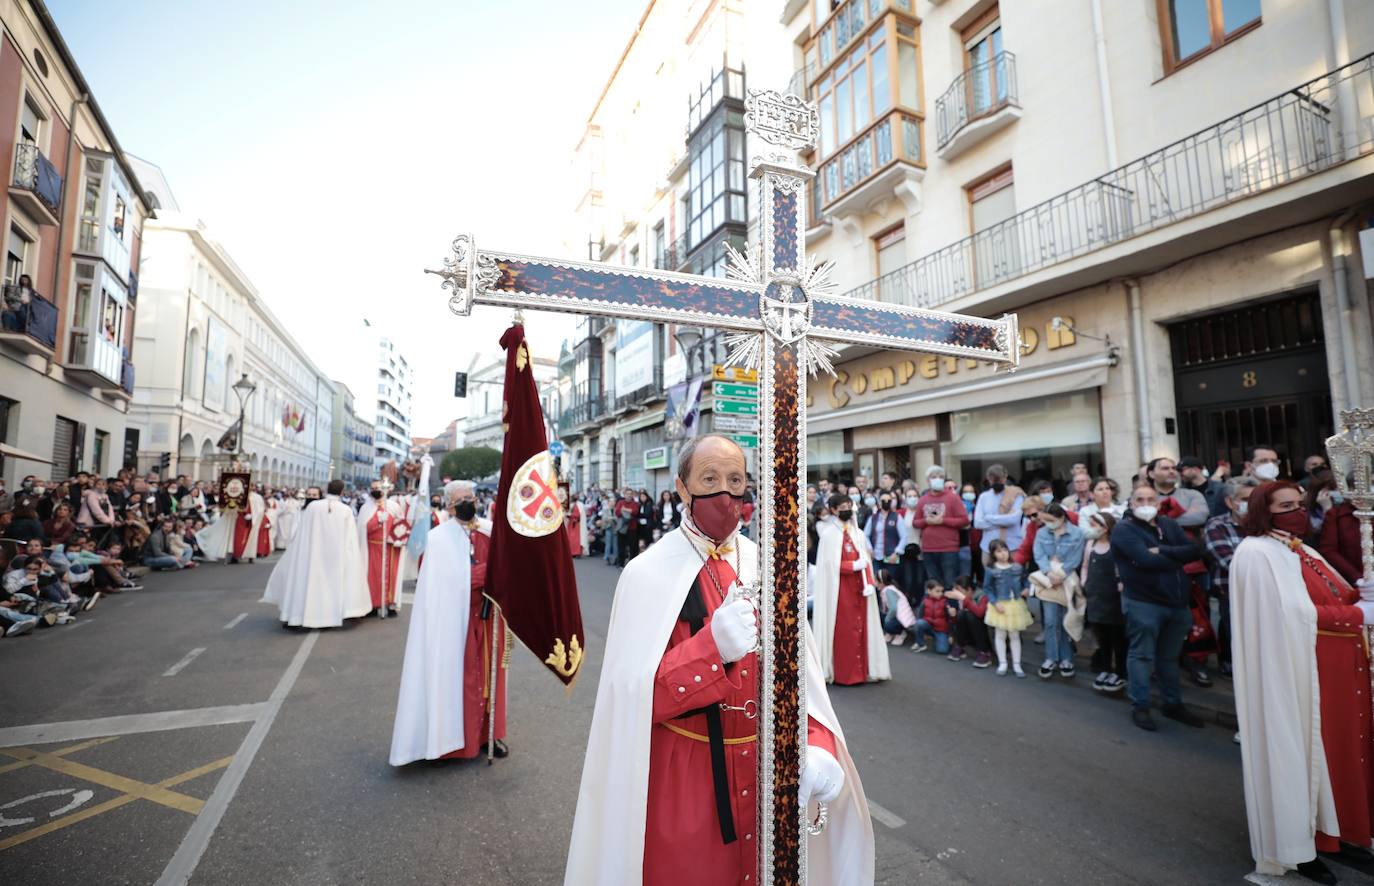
{"points": [[1102, 592], [1220, 537], [886, 532], [1311, 467], [910, 569], [1041, 496], [1193, 475], [1150, 553], [969, 537], [16, 606], [626, 513], [1339, 540], [997, 514], [968, 613], [644, 521], [941, 516], [1080, 492], [1262, 462], [1318, 501], [1058, 552], [865, 502], [933, 620], [96, 510]]}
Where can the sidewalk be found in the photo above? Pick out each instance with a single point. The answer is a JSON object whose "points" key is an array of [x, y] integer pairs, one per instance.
{"points": [[1215, 705]]}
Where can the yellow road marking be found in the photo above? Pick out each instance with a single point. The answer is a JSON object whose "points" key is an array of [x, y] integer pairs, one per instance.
{"points": [[107, 779], [108, 805], [60, 752]]}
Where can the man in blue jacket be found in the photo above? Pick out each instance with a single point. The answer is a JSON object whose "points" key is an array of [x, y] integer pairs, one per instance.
{"points": [[1150, 552]]}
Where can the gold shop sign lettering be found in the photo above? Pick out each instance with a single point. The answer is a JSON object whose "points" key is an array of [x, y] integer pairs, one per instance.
{"points": [[900, 372]]}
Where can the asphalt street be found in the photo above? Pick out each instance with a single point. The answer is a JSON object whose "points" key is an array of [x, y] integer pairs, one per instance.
{"points": [[179, 732]]}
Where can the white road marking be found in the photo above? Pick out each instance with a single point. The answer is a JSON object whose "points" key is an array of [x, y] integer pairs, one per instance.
{"points": [[234, 622], [186, 660], [183, 864], [887, 817], [78, 798], [129, 724]]}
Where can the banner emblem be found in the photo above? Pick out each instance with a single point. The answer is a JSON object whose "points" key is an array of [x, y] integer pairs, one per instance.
{"points": [[532, 507]]}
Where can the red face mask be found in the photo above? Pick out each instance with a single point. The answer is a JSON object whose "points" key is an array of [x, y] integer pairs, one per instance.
{"points": [[717, 515], [1293, 522]]}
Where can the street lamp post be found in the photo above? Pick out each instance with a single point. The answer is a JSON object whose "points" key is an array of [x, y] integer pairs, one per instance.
{"points": [[243, 389], [689, 339]]}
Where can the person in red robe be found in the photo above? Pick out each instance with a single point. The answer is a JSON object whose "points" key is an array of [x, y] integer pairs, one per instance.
{"points": [[845, 612], [265, 533], [486, 641], [1292, 612], [381, 529], [246, 543], [572, 520]]}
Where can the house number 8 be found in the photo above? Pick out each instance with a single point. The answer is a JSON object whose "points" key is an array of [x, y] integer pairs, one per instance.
{"points": [[1248, 379]]}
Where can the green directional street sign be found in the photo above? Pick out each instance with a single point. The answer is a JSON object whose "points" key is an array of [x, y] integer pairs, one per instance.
{"points": [[737, 407], [746, 441], [735, 392]]}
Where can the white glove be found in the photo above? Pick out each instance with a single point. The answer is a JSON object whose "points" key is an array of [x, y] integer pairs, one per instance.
{"points": [[822, 778], [1366, 588], [427, 462], [1367, 608], [860, 564], [735, 628], [869, 590]]}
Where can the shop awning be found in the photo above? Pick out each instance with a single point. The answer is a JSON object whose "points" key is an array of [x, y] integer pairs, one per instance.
{"points": [[1042, 381], [9, 451]]}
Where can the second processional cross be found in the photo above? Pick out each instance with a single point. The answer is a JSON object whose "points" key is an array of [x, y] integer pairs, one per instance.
{"points": [[782, 314]]}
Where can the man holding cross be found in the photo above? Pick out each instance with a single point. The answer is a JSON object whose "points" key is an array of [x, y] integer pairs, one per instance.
{"points": [[669, 786]]}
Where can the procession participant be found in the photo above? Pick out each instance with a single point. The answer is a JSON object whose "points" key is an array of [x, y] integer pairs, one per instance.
{"points": [[248, 528], [288, 518], [849, 631], [379, 525], [456, 637], [574, 521], [668, 785], [267, 536], [320, 580], [215, 538], [1301, 674]]}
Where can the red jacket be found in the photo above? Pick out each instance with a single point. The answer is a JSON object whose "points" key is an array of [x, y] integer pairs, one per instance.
{"points": [[1340, 541], [1026, 552], [941, 538], [933, 611]]}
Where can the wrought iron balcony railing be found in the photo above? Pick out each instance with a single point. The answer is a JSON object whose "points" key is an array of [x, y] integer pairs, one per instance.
{"points": [[37, 319], [33, 172], [644, 393], [1308, 129], [981, 91], [126, 376], [893, 137]]}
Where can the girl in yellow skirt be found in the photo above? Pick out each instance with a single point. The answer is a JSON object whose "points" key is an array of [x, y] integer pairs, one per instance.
{"points": [[1007, 613]]}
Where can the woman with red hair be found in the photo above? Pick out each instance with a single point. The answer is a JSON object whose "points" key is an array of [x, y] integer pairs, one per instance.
{"points": [[1302, 694]]}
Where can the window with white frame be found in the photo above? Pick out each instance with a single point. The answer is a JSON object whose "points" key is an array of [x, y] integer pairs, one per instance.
{"points": [[18, 249]]}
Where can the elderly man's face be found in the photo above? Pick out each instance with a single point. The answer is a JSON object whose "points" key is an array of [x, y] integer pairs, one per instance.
{"points": [[717, 465]]}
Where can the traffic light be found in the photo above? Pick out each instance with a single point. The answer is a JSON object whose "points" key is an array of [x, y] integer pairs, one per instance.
{"points": [[460, 384], [164, 462]]}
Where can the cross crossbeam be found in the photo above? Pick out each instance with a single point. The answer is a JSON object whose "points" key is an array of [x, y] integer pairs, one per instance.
{"points": [[783, 313]]}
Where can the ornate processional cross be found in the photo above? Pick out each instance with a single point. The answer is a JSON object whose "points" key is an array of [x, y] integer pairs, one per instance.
{"points": [[780, 308]]}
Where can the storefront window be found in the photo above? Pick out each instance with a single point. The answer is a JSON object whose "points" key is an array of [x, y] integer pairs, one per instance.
{"points": [[826, 458], [1033, 439]]}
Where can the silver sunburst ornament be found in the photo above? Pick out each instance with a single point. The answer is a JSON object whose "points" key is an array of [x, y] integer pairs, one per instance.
{"points": [[785, 310]]}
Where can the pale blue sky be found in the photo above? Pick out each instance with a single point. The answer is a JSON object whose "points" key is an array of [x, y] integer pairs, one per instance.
{"points": [[335, 148]]}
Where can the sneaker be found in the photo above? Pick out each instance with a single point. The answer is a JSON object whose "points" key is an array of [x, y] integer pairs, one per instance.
{"points": [[982, 660], [1225, 670], [65, 618], [1066, 669], [90, 602], [1183, 715], [1046, 670], [1016, 669], [1115, 683], [1200, 678], [21, 627], [1236, 738], [1100, 684], [1141, 717], [955, 654], [1002, 670], [919, 647], [1040, 639], [131, 586], [112, 590], [897, 639], [962, 654]]}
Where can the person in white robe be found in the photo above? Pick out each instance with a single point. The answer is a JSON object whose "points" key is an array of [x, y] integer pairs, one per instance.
{"points": [[608, 837], [288, 517], [825, 599], [272, 521], [216, 537], [322, 578]]}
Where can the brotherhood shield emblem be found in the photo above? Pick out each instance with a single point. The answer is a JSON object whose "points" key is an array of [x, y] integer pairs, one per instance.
{"points": [[532, 507]]}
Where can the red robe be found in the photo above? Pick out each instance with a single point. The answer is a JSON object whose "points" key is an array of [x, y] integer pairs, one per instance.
{"points": [[243, 524], [1343, 679], [483, 639], [851, 620], [374, 560], [264, 538], [682, 839], [572, 522]]}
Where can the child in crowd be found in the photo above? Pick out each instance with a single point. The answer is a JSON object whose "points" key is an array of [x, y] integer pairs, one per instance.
{"points": [[898, 619], [934, 619], [1007, 612], [969, 626], [1102, 589]]}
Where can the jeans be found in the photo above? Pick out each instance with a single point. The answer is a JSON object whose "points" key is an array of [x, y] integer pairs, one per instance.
{"points": [[1156, 634], [14, 616], [12, 321], [611, 547], [163, 561], [892, 626], [923, 629], [943, 566], [1057, 648]]}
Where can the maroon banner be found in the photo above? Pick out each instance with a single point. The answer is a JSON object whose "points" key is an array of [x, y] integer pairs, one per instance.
{"points": [[530, 571]]}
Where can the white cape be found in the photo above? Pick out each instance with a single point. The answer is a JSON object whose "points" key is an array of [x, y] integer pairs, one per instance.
{"points": [[215, 539], [429, 710], [1274, 660], [608, 831], [322, 577], [827, 595], [288, 516]]}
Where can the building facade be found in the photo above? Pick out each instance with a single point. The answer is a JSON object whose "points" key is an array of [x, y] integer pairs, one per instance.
{"points": [[664, 160], [1178, 208], [391, 423], [484, 425], [204, 326], [351, 449], [73, 218]]}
